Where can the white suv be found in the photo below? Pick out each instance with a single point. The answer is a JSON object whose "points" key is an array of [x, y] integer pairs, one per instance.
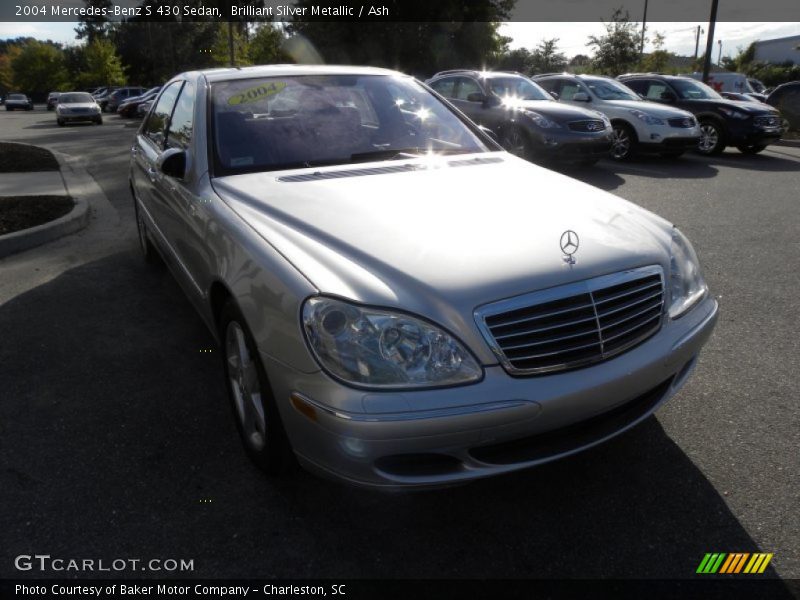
{"points": [[639, 126]]}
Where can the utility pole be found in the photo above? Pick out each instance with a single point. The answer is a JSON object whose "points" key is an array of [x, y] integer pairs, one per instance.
{"points": [[697, 45], [719, 56], [230, 44], [644, 28], [710, 40]]}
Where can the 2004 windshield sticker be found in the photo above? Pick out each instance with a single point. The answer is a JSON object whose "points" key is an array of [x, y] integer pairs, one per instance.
{"points": [[254, 94]]}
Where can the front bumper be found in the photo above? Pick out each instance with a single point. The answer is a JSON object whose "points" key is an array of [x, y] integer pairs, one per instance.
{"points": [[498, 425], [755, 136], [80, 117], [571, 146]]}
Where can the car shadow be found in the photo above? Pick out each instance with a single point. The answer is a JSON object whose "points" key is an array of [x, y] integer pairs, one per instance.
{"points": [[765, 162], [116, 436]]}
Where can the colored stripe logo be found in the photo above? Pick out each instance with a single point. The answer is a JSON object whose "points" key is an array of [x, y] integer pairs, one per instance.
{"points": [[735, 562]]}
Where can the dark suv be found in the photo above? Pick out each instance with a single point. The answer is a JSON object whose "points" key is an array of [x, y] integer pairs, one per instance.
{"points": [[786, 98], [117, 97], [524, 117], [749, 126]]}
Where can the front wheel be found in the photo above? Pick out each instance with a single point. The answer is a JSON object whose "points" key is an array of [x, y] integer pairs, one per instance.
{"points": [[516, 142], [98, 121], [712, 138], [751, 148], [257, 417], [60, 122], [623, 141]]}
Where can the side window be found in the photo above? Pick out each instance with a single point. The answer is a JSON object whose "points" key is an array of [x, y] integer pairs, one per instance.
{"points": [[466, 87], [549, 85], [569, 89], [656, 90], [637, 85], [156, 127], [446, 87], [180, 125]]}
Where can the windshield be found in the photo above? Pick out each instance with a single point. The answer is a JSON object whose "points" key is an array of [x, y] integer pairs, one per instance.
{"points": [[16, 97], [607, 89], [275, 123], [688, 89], [75, 98], [518, 88]]}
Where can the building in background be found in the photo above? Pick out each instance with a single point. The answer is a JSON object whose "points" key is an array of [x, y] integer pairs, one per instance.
{"points": [[779, 50]]}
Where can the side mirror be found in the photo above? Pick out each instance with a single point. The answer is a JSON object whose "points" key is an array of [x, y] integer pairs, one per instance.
{"points": [[172, 162], [581, 97], [554, 95], [489, 132], [475, 97]]}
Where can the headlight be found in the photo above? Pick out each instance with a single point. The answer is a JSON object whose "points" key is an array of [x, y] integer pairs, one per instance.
{"points": [[541, 121], [734, 114], [649, 119], [384, 349], [687, 286]]}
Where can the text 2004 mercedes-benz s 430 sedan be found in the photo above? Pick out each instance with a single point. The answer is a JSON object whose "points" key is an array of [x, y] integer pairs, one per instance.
{"points": [[399, 302]]}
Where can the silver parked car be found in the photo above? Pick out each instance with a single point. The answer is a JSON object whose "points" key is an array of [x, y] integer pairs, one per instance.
{"points": [[399, 301], [74, 107]]}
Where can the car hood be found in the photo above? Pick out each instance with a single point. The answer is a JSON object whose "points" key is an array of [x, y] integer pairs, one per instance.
{"points": [[441, 237], [752, 108], [651, 108], [559, 112]]}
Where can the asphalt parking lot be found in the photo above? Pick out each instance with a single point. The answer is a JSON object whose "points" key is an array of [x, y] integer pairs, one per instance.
{"points": [[116, 439]]}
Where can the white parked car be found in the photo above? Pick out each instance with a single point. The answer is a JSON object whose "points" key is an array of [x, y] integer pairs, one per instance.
{"points": [[638, 125]]}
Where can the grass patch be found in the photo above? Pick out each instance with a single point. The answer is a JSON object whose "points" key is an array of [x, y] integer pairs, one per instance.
{"points": [[22, 212], [19, 158]]}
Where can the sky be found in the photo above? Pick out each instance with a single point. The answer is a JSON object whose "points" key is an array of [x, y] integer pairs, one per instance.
{"points": [[680, 37]]}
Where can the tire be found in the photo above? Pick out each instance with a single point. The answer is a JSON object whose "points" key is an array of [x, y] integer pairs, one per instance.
{"points": [[623, 142], [712, 138], [516, 141], [98, 121], [257, 418], [752, 148], [149, 252], [60, 122]]}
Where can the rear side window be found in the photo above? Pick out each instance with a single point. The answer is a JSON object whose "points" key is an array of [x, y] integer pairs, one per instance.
{"points": [[446, 87], [156, 127], [569, 89], [466, 87], [180, 125], [656, 90]]}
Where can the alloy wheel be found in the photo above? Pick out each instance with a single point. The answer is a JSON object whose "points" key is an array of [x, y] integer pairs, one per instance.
{"points": [[620, 143], [514, 142], [245, 386], [709, 138]]}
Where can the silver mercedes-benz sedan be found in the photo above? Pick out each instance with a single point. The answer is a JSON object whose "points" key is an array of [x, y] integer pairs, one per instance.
{"points": [[399, 302]]}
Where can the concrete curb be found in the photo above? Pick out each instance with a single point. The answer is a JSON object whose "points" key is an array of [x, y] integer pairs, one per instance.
{"points": [[75, 220]]}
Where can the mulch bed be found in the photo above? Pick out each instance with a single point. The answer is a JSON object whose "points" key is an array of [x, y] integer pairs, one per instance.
{"points": [[19, 158], [22, 212]]}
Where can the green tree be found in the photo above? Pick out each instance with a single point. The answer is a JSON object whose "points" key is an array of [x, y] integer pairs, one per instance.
{"points": [[266, 46], [618, 50], [103, 66], [220, 50], [93, 27], [518, 59], [39, 68], [6, 69], [546, 57], [658, 60]]}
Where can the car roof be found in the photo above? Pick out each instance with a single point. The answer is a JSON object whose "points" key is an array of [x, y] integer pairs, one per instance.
{"points": [[231, 73]]}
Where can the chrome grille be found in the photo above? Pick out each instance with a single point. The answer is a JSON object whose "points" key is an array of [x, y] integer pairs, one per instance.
{"points": [[768, 121], [684, 122], [574, 325], [589, 126]]}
